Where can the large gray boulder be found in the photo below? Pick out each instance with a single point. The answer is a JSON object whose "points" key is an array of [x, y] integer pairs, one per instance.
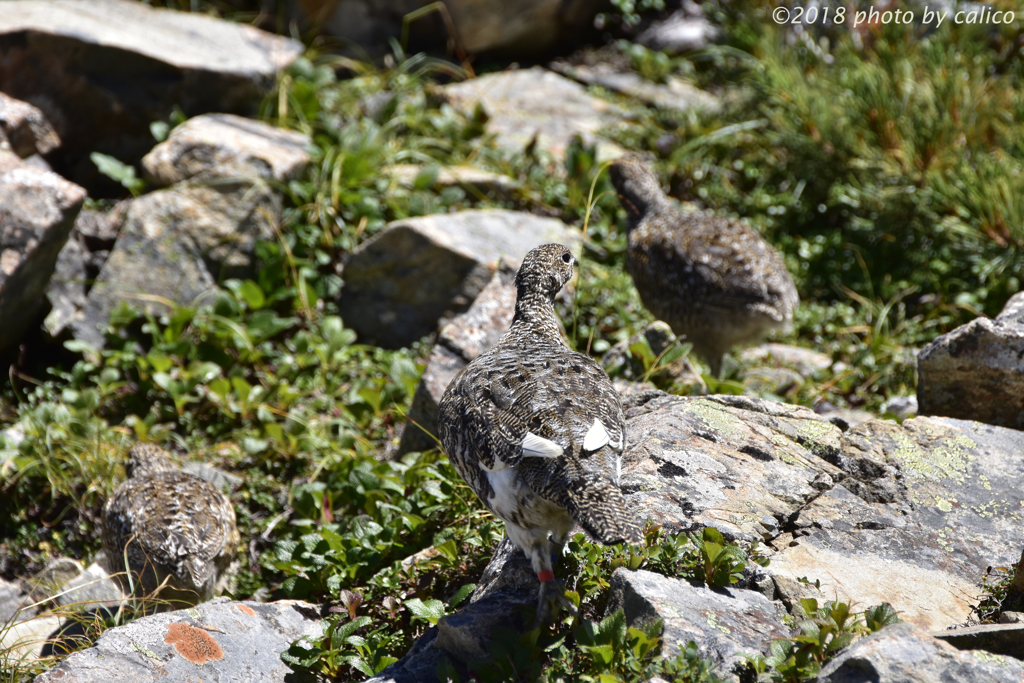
{"points": [[78, 265], [227, 146], [24, 129], [740, 465], [177, 244], [37, 212], [907, 514], [728, 624], [904, 653], [419, 271], [910, 514], [103, 70], [976, 372], [527, 105], [217, 640]]}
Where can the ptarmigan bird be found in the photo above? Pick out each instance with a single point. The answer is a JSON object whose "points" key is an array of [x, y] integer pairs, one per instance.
{"points": [[170, 525], [537, 430], [712, 279]]}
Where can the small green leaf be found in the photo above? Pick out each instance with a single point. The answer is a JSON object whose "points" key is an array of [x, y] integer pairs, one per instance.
{"points": [[430, 610], [642, 350], [119, 172], [461, 594], [384, 662], [426, 177], [160, 130], [159, 361], [250, 292], [880, 616], [345, 629], [449, 550]]}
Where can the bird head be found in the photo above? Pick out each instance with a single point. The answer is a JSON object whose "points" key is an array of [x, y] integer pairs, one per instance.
{"points": [[147, 459], [545, 270], [637, 185]]}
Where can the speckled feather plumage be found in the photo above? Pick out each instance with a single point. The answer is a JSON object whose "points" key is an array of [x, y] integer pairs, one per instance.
{"points": [[170, 525], [711, 278], [531, 382]]}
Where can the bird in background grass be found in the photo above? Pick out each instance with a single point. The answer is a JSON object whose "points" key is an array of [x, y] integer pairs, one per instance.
{"points": [[537, 431], [169, 525], [712, 279]]}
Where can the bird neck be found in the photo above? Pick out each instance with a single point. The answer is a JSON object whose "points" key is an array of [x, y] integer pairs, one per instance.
{"points": [[535, 317], [643, 197]]}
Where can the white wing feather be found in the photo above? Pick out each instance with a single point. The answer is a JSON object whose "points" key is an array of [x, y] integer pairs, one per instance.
{"points": [[539, 447], [597, 437]]}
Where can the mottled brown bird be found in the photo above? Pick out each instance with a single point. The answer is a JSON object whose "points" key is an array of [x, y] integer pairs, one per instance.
{"points": [[712, 279], [537, 430], [170, 525]]}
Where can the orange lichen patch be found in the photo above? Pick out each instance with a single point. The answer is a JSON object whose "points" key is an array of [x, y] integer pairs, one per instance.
{"points": [[194, 644], [247, 610]]}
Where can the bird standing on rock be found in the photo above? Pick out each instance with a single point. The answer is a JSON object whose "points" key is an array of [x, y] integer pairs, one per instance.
{"points": [[712, 279], [170, 525], [537, 430]]}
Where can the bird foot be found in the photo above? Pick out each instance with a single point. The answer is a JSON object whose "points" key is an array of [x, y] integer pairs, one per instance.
{"points": [[550, 597]]}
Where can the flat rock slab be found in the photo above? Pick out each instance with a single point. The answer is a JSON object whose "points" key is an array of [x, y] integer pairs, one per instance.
{"points": [[28, 639], [976, 372], [675, 93], [227, 146], [524, 104], [907, 514], [37, 212], [102, 70], [904, 653], [176, 244], [92, 589], [726, 624], [475, 180], [404, 280], [219, 640], [1000, 639], [925, 550], [804, 361], [459, 342], [741, 465]]}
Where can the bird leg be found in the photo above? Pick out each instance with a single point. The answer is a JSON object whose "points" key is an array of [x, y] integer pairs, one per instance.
{"points": [[552, 593]]}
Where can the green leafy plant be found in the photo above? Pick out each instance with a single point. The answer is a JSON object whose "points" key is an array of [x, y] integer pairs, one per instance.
{"points": [[608, 651], [823, 633], [995, 585], [721, 563], [119, 172]]}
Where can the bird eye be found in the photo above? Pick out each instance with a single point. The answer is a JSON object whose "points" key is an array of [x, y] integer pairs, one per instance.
{"points": [[567, 257]]}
